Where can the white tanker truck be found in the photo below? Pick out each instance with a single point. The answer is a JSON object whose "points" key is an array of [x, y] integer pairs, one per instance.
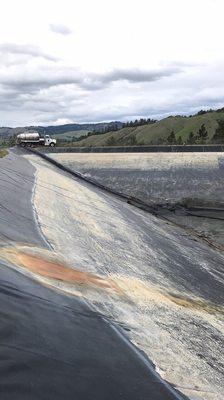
{"points": [[32, 139]]}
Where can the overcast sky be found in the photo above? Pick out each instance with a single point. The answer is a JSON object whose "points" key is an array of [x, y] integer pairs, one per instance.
{"points": [[101, 60]]}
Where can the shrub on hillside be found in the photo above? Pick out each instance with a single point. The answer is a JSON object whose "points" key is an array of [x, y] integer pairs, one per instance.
{"points": [[219, 133]]}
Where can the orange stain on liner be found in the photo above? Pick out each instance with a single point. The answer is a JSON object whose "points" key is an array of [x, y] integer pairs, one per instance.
{"points": [[59, 272]]}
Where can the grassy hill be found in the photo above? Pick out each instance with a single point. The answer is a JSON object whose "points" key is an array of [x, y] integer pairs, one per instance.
{"points": [[70, 135], [158, 132]]}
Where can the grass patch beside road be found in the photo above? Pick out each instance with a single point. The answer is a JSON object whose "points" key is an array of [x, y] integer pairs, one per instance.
{"points": [[3, 153]]}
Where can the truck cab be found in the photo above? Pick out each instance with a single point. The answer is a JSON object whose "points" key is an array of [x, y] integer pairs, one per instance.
{"points": [[48, 141]]}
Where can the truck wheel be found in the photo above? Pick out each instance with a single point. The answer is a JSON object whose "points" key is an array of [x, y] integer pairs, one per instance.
{"points": [[52, 144]]}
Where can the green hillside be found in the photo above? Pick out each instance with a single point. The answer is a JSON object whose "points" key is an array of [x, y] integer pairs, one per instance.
{"points": [[70, 135], [159, 132]]}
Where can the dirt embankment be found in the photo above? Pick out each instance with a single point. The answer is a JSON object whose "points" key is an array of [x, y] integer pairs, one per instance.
{"points": [[3, 153]]}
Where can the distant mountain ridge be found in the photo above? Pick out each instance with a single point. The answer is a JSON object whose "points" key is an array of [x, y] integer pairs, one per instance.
{"points": [[6, 132]]}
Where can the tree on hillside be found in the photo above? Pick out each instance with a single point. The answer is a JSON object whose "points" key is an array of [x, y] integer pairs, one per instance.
{"points": [[111, 141], [171, 138], [132, 140], [219, 133], [202, 134], [191, 138], [179, 140], [139, 122], [12, 140], [201, 112], [110, 128], [151, 121], [159, 141], [220, 110]]}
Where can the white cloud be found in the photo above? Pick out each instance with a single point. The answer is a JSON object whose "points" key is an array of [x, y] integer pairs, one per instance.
{"points": [[61, 29], [25, 49], [126, 59], [62, 121]]}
